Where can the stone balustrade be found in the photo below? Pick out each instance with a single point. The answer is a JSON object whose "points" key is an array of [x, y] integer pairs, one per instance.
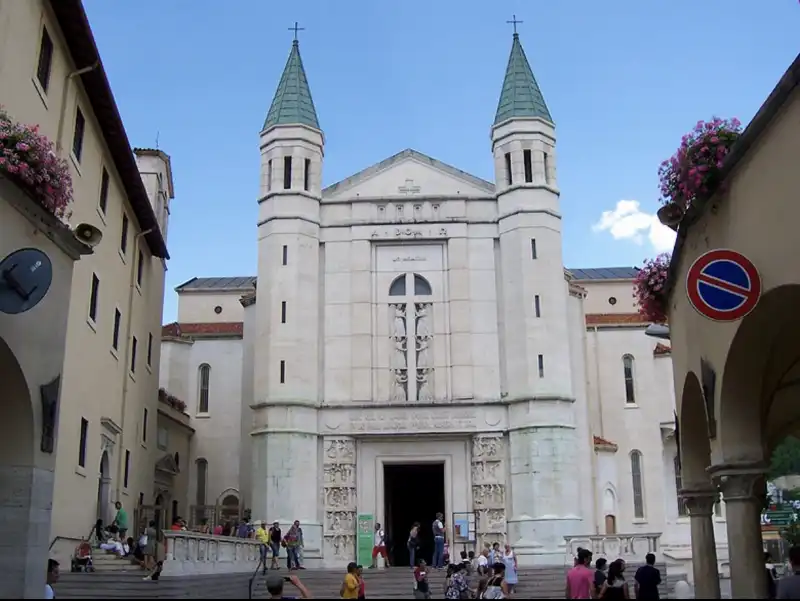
{"points": [[630, 547], [194, 553]]}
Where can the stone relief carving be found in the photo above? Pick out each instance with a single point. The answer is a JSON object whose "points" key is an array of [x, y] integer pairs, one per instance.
{"points": [[423, 359], [488, 486], [423, 325], [339, 497], [399, 322], [400, 386], [425, 385]]}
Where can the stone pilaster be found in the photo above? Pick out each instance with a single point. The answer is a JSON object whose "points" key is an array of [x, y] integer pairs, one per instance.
{"points": [[340, 500], [488, 487], [700, 504], [742, 488]]}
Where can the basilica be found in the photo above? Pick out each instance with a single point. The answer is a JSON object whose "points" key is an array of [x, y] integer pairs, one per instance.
{"points": [[412, 343]]}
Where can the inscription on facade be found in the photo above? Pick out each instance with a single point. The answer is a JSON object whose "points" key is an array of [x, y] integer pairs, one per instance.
{"points": [[408, 232], [412, 421]]}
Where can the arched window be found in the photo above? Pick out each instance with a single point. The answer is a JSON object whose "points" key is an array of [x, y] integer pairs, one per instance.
{"points": [[398, 287], [202, 481], [421, 286], [678, 485], [638, 488], [627, 368], [204, 377]]}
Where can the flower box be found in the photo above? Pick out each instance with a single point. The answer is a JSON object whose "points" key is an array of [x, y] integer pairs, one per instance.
{"points": [[649, 286]]}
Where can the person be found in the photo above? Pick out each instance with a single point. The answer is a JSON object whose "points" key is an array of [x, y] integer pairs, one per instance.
{"points": [[263, 538], [600, 567], [647, 579], [292, 541], [456, 586], [510, 561], [351, 582], [121, 520], [413, 544], [275, 539], [496, 587], [422, 589], [52, 578], [789, 586], [615, 586], [379, 548], [580, 579], [438, 541], [149, 542], [772, 575], [362, 586], [275, 585]]}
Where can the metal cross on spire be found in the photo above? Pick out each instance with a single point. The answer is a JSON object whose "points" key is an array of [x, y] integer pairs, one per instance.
{"points": [[514, 22], [295, 29]]}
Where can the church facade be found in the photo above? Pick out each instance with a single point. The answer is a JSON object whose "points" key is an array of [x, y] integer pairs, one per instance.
{"points": [[412, 339]]}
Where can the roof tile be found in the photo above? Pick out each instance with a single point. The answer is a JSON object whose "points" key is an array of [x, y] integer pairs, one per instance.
{"points": [[603, 319], [191, 330], [521, 96], [292, 104]]}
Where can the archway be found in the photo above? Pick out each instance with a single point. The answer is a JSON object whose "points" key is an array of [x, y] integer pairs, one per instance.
{"points": [[229, 511], [694, 444], [104, 489], [17, 464]]}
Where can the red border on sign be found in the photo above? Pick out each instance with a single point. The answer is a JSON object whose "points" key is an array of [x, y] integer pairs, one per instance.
{"points": [[723, 254]]}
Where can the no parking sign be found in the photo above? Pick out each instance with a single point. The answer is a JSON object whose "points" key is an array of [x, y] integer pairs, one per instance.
{"points": [[723, 285]]}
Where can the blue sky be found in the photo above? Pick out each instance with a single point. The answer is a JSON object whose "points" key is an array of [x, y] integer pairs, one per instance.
{"points": [[623, 79]]}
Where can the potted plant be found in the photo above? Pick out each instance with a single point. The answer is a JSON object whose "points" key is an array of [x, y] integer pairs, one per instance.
{"points": [[693, 172], [27, 158], [648, 288]]}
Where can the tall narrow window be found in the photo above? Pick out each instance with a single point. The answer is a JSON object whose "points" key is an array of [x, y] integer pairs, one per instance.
{"points": [[283, 371], [283, 311], [93, 294], [77, 135], [45, 60], [84, 438], [202, 477], [144, 425], [285, 258], [537, 306], [123, 237], [269, 175], [115, 335], [541, 366], [127, 468], [287, 173], [638, 488], [149, 350], [104, 191], [307, 175], [509, 178], [526, 158], [140, 269], [134, 348], [204, 373], [627, 370], [533, 248], [678, 485], [546, 161]]}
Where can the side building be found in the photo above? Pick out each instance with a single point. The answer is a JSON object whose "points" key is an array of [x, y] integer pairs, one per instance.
{"points": [[105, 423]]}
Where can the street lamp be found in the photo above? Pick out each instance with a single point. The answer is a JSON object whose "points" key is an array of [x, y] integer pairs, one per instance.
{"points": [[658, 330]]}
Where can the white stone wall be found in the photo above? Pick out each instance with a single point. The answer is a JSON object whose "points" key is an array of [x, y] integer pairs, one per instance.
{"points": [[199, 307]]}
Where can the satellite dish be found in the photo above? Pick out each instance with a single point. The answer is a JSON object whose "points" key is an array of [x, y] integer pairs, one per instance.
{"points": [[25, 278], [658, 330]]}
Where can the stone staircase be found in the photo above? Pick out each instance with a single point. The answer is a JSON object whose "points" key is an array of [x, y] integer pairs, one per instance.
{"points": [[110, 562], [391, 583]]}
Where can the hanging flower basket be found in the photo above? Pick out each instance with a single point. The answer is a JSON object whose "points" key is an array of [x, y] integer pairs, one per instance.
{"points": [[693, 172], [27, 158], [648, 288]]}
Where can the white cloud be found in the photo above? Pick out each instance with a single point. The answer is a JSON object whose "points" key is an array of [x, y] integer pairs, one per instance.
{"points": [[628, 222]]}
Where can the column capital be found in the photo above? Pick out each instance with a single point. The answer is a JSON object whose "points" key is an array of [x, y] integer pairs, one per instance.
{"points": [[699, 502], [739, 481]]}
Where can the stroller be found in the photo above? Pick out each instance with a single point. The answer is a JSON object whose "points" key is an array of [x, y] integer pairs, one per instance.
{"points": [[82, 558]]}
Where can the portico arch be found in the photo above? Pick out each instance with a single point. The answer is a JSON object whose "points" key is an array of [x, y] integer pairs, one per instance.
{"points": [[695, 448]]}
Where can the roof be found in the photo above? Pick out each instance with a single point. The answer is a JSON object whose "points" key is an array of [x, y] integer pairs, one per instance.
{"points": [[601, 444], [191, 330], [605, 273], [662, 350], [521, 96], [74, 25], [226, 284], [292, 104], [760, 123]]}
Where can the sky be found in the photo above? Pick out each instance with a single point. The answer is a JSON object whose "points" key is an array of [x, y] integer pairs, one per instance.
{"points": [[623, 79]]}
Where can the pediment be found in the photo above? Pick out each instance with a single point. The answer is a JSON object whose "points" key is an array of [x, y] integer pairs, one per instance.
{"points": [[409, 174], [167, 464]]}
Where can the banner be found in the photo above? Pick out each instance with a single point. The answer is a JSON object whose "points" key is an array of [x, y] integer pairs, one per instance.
{"points": [[364, 540]]}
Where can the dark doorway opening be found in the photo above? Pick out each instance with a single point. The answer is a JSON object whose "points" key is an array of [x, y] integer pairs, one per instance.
{"points": [[412, 493]]}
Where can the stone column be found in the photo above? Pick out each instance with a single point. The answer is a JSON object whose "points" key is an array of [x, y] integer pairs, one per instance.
{"points": [[700, 504], [340, 500], [488, 487], [742, 488]]}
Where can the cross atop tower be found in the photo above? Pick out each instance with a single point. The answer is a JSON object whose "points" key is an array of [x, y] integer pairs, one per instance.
{"points": [[514, 22], [297, 28]]}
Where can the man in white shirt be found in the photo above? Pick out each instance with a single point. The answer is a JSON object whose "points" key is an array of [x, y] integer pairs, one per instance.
{"points": [[379, 547], [52, 578]]}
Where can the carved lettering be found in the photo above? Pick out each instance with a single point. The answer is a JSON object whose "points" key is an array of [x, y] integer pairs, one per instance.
{"points": [[375, 421], [405, 233]]}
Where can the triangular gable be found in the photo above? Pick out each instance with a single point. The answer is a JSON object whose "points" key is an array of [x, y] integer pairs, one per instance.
{"points": [[167, 464], [409, 174]]}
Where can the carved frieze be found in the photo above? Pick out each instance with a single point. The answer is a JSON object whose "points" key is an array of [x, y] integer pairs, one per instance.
{"points": [[339, 497], [489, 486]]}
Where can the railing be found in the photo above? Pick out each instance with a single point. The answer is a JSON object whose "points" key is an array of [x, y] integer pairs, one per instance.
{"points": [[194, 553], [253, 577], [630, 547]]}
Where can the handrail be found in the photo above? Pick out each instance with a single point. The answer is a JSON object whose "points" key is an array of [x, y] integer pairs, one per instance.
{"points": [[58, 538], [253, 577]]}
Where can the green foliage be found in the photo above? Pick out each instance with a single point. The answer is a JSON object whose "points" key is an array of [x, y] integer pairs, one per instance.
{"points": [[785, 458]]}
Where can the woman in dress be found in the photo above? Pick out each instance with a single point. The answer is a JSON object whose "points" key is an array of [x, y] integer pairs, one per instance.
{"points": [[149, 541], [615, 586], [456, 586], [497, 588], [510, 561]]}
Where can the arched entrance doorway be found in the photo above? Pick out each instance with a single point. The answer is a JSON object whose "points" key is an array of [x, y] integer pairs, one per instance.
{"points": [[229, 511], [17, 469], [104, 489]]}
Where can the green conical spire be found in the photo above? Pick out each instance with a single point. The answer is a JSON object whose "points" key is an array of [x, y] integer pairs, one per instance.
{"points": [[292, 104], [521, 96]]}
